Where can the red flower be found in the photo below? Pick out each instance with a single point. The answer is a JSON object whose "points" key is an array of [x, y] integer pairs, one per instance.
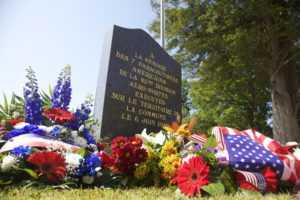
{"points": [[126, 154], [51, 164], [101, 146], [59, 115], [135, 141], [118, 142], [140, 155], [267, 173], [191, 176], [106, 160]]}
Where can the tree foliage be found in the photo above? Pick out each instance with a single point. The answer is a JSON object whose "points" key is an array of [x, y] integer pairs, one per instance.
{"points": [[225, 48]]}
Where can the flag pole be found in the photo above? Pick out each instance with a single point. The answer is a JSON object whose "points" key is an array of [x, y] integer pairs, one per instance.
{"points": [[162, 23]]}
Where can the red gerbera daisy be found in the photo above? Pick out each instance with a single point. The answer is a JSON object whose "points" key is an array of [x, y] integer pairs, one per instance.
{"points": [[59, 115], [192, 175], [51, 164]]}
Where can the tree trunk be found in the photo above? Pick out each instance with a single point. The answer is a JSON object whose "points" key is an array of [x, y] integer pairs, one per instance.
{"points": [[284, 99]]}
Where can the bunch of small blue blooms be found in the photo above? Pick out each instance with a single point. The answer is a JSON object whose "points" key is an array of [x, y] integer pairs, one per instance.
{"points": [[33, 105], [21, 151], [62, 91]]}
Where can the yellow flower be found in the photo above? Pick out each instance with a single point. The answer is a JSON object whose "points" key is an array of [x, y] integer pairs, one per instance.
{"points": [[169, 148], [141, 171], [169, 166], [185, 130]]}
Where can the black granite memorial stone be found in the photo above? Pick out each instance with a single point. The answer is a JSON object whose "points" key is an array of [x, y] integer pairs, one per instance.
{"points": [[139, 85]]}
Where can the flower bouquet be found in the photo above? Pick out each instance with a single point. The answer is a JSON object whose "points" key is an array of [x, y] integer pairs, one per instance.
{"points": [[44, 143]]}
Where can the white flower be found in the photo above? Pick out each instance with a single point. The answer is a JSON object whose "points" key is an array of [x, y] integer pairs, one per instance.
{"points": [[15, 114], [74, 134], [147, 137], [291, 143], [7, 163], [157, 139], [97, 169], [160, 138], [187, 158], [81, 128], [20, 125], [297, 153], [72, 160], [80, 141], [88, 179]]}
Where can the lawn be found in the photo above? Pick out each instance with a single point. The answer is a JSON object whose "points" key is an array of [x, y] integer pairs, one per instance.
{"points": [[130, 194]]}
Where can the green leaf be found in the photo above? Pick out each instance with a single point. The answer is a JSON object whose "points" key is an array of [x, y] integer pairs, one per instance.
{"points": [[5, 183], [5, 104], [81, 152], [172, 186], [28, 171], [250, 192], [22, 101], [228, 180], [50, 90], [214, 189], [210, 142]]}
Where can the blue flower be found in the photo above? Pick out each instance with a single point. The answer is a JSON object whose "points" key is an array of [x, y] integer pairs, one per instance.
{"points": [[62, 91], [90, 139], [81, 170], [21, 151], [92, 162], [55, 131], [33, 102]]}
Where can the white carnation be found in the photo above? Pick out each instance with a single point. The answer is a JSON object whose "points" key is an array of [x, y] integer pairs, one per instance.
{"points": [[74, 134], [7, 163], [80, 141], [72, 160], [88, 179]]}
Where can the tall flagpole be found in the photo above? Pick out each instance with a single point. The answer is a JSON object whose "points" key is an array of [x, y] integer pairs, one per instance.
{"points": [[162, 23]]}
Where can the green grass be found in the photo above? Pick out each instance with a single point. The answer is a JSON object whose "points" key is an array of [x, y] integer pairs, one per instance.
{"points": [[112, 194]]}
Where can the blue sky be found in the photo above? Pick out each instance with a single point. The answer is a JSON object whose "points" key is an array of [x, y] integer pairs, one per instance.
{"points": [[49, 34]]}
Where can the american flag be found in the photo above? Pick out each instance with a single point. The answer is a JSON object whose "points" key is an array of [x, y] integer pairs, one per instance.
{"points": [[3, 130], [252, 151]]}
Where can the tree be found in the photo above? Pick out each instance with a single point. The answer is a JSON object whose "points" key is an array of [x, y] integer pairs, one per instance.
{"points": [[235, 54]]}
